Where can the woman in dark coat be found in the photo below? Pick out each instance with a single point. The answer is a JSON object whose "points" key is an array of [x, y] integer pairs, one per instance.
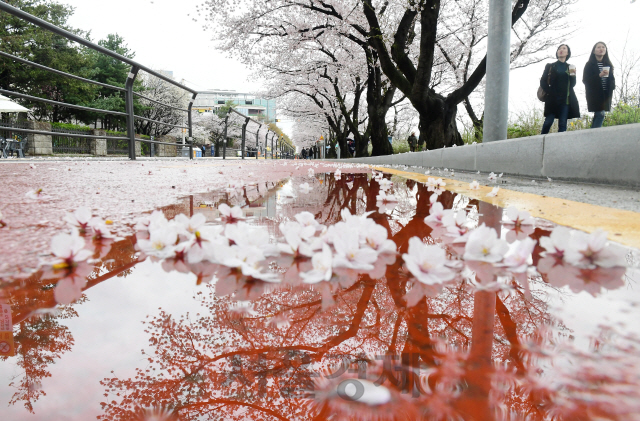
{"points": [[558, 82], [599, 83]]}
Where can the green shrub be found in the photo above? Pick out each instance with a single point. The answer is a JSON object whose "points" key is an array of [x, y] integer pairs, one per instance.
{"points": [[69, 126], [623, 114], [400, 146]]}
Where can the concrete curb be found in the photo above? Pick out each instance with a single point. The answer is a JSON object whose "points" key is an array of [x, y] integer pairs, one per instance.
{"points": [[609, 155]]}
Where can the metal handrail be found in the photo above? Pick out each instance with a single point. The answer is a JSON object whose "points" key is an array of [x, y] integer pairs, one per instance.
{"points": [[158, 102], [86, 136], [128, 89], [64, 104], [157, 142], [56, 30], [244, 116], [40, 66], [159, 122]]}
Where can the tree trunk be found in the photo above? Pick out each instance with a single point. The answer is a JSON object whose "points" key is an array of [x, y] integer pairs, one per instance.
{"points": [[438, 126], [379, 136]]}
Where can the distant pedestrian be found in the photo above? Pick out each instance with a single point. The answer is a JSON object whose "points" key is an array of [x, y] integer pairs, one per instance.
{"points": [[412, 142], [599, 83], [351, 144], [420, 143], [338, 150], [558, 81]]}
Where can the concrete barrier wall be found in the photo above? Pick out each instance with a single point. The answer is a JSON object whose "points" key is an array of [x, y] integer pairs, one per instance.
{"points": [[609, 155]]}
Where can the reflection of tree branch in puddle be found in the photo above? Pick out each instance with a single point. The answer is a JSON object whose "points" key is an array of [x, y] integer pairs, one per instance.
{"points": [[40, 338]]}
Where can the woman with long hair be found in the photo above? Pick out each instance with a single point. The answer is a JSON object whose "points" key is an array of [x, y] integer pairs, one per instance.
{"points": [[599, 82], [557, 82]]}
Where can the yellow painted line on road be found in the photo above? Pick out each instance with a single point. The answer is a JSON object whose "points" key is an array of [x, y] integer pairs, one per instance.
{"points": [[622, 226]]}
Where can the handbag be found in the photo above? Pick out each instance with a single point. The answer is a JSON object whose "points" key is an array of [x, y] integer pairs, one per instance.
{"points": [[542, 95]]}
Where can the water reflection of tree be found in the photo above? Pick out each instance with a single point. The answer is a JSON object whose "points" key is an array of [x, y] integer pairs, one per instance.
{"points": [[40, 335], [247, 367]]}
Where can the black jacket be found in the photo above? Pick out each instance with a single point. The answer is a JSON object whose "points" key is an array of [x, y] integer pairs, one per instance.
{"points": [[557, 91], [597, 98]]}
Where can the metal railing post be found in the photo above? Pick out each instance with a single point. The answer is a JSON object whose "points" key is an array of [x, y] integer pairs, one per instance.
{"points": [[244, 136], [257, 143], [128, 100], [193, 98], [272, 145], [224, 138]]}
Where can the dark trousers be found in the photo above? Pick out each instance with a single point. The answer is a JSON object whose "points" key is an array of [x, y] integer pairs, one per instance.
{"points": [[562, 120]]}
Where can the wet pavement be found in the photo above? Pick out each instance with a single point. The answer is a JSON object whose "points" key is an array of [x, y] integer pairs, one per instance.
{"points": [[616, 197], [143, 330], [113, 189]]}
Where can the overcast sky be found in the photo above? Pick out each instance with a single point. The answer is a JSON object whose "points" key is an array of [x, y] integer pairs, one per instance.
{"points": [[164, 36]]}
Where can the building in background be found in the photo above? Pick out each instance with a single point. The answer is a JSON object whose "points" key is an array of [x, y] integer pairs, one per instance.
{"points": [[245, 103]]}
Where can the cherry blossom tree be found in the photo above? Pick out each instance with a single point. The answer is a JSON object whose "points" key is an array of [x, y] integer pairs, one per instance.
{"points": [[161, 91], [346, 51], [431, 51]]}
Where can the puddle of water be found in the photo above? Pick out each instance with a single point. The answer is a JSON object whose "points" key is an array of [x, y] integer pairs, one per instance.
{"points": [[165, 338]]}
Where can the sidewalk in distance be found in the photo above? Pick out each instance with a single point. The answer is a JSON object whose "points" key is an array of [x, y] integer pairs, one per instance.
{"points": [[609, 155]]}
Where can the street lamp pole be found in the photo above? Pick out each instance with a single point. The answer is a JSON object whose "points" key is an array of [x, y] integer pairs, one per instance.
{"points": [[496, 109]]}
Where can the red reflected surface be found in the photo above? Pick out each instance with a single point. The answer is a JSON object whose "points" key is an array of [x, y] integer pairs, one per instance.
{"points": [[162, 340]]}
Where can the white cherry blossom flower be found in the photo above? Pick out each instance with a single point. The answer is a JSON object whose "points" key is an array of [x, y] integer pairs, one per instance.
{"points": [[100, 229], [337, 173], [385, 184], [456, 224], [79, 219], [593, 250], [434, 184], [37, 195], [485, 246], [304, 188], [517, 217], [557, 243], [384, 198], [296, 235], [349, 254], [493, 192], [474, 185], [203, 244], [518, 259], [436, 213], [377, 238], [69, 250], [161, 243], [427, 263], [230, 215], [308, 220], [322, 267], [492, 176], [311, 172], [189, 226]]}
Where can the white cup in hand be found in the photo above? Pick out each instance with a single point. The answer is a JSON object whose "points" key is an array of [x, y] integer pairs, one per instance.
{"points": [[572, 69], [606, 70]]}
